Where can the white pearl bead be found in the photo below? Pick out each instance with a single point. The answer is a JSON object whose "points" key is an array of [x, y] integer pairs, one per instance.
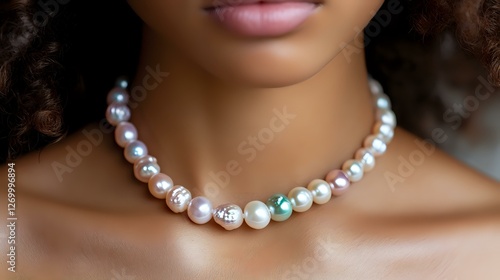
{"points": [[125, 133], [387, 117], [117, 113], [321, 191], [118, 95], [301, 199], [178, 199], [382, 101], [353, 169], [145, 168], [159, 185], [376, 145], [229, 216], [257, 215], [366, 158], [122, 82], [134, 151], [200, 210], [375, 86], [385, 131]]}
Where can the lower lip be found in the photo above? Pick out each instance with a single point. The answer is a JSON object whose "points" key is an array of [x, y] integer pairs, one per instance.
{"points": [[263, 19]]}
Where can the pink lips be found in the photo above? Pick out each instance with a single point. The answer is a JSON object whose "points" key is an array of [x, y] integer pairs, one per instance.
{"points": [[263, 19]]}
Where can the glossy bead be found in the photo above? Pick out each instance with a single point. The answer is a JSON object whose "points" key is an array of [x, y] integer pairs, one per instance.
{"points": [[301, 199], [125, 133], [200, 210], [376, 145], [321, 191], [134, 151], [364, 156], [118, 95], [387, 117], [353, 169], [228, 216], [339, 182], [117, 113], [257, 214], [122, 82], [280, 207], [159, 185], [375, 86], [145, 168], [382, 101], [384, 131], [178, 199]]}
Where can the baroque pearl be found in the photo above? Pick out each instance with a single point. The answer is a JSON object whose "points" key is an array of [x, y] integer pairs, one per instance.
{"points": [[178, 199], [280, 207], [321, 191], [117, 113], [301, 199], [118, 95], [145, 168], [339, 182], [257, 215], [125, 133], [366, 158], [376, 145], [134, 151], [200, 210], [159, 185], [353, 169], [229, 216]]}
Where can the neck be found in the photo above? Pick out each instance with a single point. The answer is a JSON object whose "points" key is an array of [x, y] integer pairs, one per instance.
{"points": [[235, 143]]}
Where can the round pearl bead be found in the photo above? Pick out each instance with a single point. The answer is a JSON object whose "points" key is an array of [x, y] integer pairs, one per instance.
{"points": [[118, 95], [375, 86], [200, 210], [159, 185], [122, 82], [301, 199], [257, 215], [178, 199], [117, 113], [387, 117], [376, 145], [384, 131], [366, 158], [382, 101], [353, 169], [145, 168], [280, 207], [339, 182], [321, 191], [125, 133], [229, 216], [134, 151]]}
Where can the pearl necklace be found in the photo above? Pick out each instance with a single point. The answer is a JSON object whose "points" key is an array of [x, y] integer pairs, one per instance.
{"points": [[256, 214]]}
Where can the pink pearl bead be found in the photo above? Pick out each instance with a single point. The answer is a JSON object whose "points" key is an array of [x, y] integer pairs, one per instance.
{"points": [[118, 95], [117, 113], [339, 182], [134, 151], [200, 210], [159, 185], [178, 199], [145, 168], [125, 133]]}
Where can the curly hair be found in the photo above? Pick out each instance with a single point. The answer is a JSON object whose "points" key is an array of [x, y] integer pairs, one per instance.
{"points": [[50, 85]]}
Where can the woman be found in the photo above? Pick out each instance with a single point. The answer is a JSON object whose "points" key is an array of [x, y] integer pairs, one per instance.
{"points": [[238, 101]]}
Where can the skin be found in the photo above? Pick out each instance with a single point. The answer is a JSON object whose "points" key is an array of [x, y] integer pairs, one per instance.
{"points": [[439, 222]]}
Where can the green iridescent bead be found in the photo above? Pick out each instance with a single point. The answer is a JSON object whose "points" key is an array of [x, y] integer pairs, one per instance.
{"points": [[280, 207]]}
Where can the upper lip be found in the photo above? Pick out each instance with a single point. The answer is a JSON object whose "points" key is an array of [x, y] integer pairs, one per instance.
{"points": [[210, 4]]}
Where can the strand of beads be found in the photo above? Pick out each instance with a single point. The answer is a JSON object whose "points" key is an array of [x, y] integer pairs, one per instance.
{"points": [[256, 214]]}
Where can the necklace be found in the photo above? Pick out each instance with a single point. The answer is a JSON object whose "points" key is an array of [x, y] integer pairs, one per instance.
{"points": [[256, 214]]}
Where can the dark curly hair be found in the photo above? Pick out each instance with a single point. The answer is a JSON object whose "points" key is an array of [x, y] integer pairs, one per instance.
{"points": [[58, 57]]}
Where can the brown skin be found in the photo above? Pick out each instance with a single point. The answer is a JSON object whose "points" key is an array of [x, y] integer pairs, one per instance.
{"points": [[440, 223]]}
